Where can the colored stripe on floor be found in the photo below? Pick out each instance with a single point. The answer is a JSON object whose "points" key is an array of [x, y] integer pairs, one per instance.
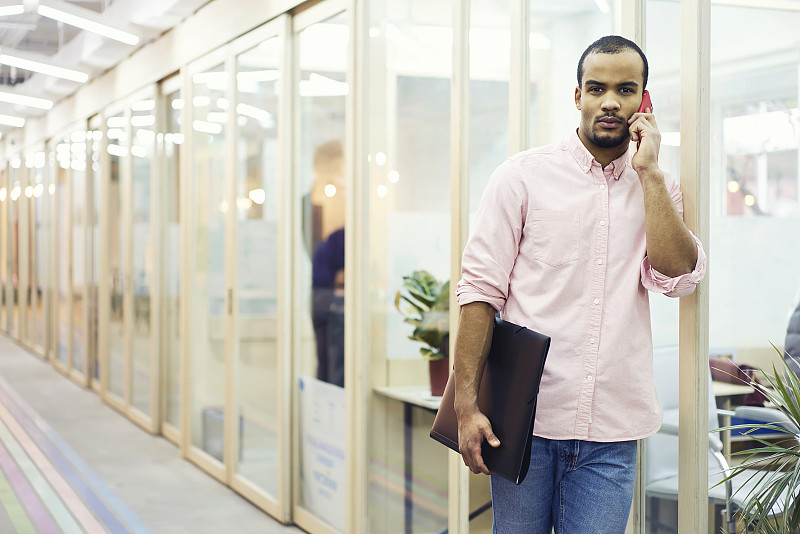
{"points": [[14, 509], [23, 489], [80, 481], [45, 485], [64, 490]]}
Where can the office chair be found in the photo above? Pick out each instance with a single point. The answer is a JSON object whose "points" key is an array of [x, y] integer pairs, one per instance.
{"points": [[661, 450]]}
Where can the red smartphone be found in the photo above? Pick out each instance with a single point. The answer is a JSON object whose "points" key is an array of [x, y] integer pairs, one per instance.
{"points": [[646, 102]]}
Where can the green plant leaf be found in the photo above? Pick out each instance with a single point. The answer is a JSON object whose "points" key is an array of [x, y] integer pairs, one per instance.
{"points": [[774, 465]]}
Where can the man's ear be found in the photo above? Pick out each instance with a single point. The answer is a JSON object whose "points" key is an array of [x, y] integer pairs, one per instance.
{"points": [[578, 97]]}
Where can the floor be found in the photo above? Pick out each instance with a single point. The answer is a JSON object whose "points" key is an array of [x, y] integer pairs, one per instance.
{"points": [[70, 464]]}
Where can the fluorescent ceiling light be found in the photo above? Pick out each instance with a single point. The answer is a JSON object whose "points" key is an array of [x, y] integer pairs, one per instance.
{"points": [[258, 114], [37, 63], [24, 100], [8, 120], [143, 120], [143, 105], [85, 19], [10, 11], [212, 128]]}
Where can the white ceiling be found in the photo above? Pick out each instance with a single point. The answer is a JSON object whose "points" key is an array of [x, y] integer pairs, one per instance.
{"points": [[70, 47]]}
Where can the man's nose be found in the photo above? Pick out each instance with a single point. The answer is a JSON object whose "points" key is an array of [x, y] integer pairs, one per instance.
{"points": [[610, 102]]}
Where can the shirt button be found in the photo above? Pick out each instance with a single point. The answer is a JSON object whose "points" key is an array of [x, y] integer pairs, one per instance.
{"points": [[597, 301], [591, 340], [602, 186], [602, 223], [590, 378], [599, 262]]}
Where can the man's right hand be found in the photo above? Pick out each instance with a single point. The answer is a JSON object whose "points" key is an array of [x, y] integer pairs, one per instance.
{"points": [[473, 428]]}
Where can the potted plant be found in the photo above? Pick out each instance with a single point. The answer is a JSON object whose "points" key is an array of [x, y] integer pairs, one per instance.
{"points": [[424, 302], [777, 484]]}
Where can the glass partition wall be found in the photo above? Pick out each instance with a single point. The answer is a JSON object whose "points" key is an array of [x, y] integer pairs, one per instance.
{"points": [[170, 141], [4, 202], [128, 331], [12, 243], [37, 250], [236, 370], [320, 196], [411, 55]]}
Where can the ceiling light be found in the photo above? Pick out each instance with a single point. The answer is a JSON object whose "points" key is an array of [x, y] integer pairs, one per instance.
{"points": [[10, 11], [24, 100], [85, 19], [37, 63], [8, 120], [143, 105]]}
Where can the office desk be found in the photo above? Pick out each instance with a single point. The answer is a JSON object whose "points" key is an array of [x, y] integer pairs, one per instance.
{"points": [[727, 390], [419, 397], [410, 397]]}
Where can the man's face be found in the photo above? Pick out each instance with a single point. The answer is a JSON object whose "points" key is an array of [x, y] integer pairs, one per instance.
{"points": [[610, 94]]}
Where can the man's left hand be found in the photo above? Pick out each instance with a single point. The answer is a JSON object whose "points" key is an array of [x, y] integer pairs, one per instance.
{"points": [[644, 132]]}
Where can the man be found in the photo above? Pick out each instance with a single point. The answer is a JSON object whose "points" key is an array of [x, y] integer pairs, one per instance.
{"points": [[567, 241]]}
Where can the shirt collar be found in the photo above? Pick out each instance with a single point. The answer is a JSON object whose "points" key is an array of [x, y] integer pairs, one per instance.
{"points": [[585, 160]]}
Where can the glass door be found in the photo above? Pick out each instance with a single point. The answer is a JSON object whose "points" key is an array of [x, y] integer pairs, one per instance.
{"points": [[4, 202], [25, 252], [78, 253], [143, 257], [115, 275], [63, 294], [94, 142], [37, 251], [258, 352], [319, 197], [13, 246], [128, 337], [172, 189], [211, 299]]}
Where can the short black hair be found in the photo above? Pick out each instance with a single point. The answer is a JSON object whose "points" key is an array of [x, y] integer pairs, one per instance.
{"points": [[612, 44]]}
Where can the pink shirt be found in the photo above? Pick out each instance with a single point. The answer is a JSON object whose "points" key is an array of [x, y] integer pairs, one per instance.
{"points": [[558, 246]]}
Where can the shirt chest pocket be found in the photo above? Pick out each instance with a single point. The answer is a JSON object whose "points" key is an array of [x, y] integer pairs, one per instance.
{"points": [[555, 236]]}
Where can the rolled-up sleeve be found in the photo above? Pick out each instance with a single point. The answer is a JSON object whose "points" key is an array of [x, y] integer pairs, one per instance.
{"points": [[493, 245], [678, 286], [682, 285]]}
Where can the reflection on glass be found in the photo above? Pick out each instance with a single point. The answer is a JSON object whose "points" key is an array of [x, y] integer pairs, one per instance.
{"points": [[257, 185], [409, 183], [173, 138], [488, 121], [13, 227], [64, 315], [754, 181], [663, 38], [40, 251], [142, 145], [209, 114], [117, 149], [29, 238], [93, 139], [557, 40], [78, 201], [319, 266], [4, 202]]}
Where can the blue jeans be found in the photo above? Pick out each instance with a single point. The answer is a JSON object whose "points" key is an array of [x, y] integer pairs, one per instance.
{"points": [[574, 487]]}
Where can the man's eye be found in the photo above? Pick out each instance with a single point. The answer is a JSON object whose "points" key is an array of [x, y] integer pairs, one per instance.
{"points": [[627, 90], [595, 89]]}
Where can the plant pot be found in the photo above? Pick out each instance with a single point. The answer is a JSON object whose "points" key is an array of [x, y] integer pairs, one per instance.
{"points": [[439, 371]]}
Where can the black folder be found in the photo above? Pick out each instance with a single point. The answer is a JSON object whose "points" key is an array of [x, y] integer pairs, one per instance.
{"points": [[507, 396]]}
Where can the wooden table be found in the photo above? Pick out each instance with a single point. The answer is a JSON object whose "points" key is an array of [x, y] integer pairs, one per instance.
{"points": [[726, 390]]}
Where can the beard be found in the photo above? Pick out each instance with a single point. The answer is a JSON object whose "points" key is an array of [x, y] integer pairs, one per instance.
{"points": [[605, 139]]}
